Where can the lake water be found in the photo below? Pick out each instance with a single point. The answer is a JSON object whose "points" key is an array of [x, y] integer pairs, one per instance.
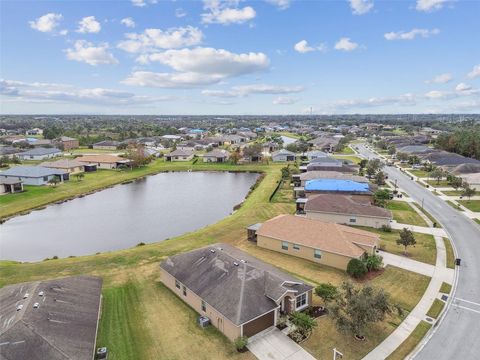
{"points": [[287, 140], [152, 209]]}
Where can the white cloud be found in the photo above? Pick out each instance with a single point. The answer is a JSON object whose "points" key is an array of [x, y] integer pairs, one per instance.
{"points": [[84, 51], [171, 80], [89, 25], [463, 87], [226, 12], [282, 100], [345, 44], [143, 3], [410, 35], [475, 72], [211, 61], [154, 39], [303, 47], [63, 32], [245, 90], [46, 23], [128, 22], [179, 13], [429, 5], [437, 94], [280, 4], [360, 7], [44, 92], [440, 79]]}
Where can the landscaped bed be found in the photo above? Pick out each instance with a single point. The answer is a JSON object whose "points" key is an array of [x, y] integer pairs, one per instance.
{"points": [[404, 214]]}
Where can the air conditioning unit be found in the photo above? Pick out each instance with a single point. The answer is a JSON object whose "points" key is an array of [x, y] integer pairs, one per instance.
{"points": [[203, 321]]}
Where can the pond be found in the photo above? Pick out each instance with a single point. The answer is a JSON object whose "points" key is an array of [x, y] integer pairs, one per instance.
{"points": [[151, 209], [287, 140]]}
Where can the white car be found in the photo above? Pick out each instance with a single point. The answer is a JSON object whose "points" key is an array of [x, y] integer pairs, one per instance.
{"points": [[25, 296], [19, 307], [41, 293], [36, 305]]}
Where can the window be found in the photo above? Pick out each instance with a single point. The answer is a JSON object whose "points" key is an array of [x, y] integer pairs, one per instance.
{"points": [[184, 289], [284, 245], [353, 220], [204, 306], [296, 247], [45, 178], [301, 301], [177, 284], [317, 254]]}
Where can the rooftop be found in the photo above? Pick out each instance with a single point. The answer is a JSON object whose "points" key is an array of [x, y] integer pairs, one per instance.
{"points": [[336, 185], [236, 284], [312, 175], [109, 159], [345, 204], [62, 164], [220, 153], [330, 237], [41, 151], [31, 171], [180, 152], [62, 327]]}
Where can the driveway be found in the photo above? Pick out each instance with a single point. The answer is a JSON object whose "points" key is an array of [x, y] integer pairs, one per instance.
{"points": [[272, 344]]}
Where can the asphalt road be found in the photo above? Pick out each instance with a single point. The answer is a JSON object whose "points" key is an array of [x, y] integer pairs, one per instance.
{"points": [[458, 334]]}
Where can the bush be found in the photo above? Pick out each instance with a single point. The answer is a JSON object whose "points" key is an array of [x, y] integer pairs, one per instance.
{"points": [[241, 343], [327, 292], [386, 228], [356, 268], [373, 262]]}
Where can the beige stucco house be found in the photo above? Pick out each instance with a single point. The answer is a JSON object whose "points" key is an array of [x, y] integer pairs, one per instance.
{"points": [[180, 155], [104, 161], [321, 242], [240, 294], [68, 165]]}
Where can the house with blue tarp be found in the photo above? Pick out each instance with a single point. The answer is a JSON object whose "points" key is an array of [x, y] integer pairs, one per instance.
{"points": [[338, 186]]}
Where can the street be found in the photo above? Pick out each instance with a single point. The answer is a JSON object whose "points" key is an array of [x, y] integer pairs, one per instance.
{"points": [[458, 335]]}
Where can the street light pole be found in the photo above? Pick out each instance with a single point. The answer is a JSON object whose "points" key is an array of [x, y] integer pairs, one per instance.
{"points": [[335, 353]]}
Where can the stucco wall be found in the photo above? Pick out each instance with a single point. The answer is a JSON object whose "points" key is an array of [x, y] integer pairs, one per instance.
{"points": [[345, 219], [329, 259], [230, 330]]}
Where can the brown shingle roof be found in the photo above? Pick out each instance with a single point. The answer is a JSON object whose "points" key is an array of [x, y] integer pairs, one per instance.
{"points": [[109, 159], [62, 164], [311, 175], [330, 237], [345, 204]]}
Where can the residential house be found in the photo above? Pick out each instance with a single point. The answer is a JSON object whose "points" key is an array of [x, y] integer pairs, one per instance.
{"points": [[339, 186], [233, 139], [283, 155], [50, 319], [321, 242], [34, 175], [67, 143], [34, 131], [10, 185], [216, 155], [240, 294], [179, 155], [40, 154], [330, 164], [325, 143], [269, 147], [345, 209], [299, 180], [315, 154], [71, 166], [9, 151], [104, 161], [106, 145]]}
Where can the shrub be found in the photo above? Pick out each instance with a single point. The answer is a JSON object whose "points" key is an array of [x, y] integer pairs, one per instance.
{"points": [[373, 262], [303, 322], [386, 228], [356, 268], [327, 292], [241, 342]]}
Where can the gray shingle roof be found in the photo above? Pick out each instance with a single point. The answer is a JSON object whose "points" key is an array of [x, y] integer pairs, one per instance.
{"points": [[240, 293], [31, 171], [62, 327], [41, 151]]}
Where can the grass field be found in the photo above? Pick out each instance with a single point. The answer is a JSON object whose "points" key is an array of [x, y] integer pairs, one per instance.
{"points": [[445, 288], [403, 213], [354, 159], [419, 173], [347, 150], [411, 342], [284, 193], [472, 205], [435, 183], [137, 321], [427, 214], [453, 192], [436, 308], [450, 253]]}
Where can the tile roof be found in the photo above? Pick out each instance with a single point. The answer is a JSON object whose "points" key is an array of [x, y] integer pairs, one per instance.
{"points": [[240, 292], [345, 204], [325, 236]]}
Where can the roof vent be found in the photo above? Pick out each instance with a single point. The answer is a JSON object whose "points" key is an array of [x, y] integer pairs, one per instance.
{"points": [[212, 250], [235, 263]]}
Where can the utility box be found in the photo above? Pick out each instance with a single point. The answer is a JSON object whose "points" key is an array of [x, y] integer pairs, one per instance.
{"points": [[203, 321]]}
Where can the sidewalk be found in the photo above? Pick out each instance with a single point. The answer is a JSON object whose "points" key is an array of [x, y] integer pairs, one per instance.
{"points": [[419, 229]]}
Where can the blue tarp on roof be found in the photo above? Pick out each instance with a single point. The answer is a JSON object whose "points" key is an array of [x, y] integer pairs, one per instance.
{"points": [[335, 185]]}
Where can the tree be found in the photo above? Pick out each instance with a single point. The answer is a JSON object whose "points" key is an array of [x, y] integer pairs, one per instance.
{"points": [[136, 154], [392, 149], [437, 174], [373, 262], [406, 239], [363, 163], [235, 157], [402, 156], [54, 181], [380, 178], [456, 182], [356, 268], [413, 159], [356, 308], [381, 197], [327, 292], [468, 191], [254, 150], [303, 322], [373, 166], [285, 172]]}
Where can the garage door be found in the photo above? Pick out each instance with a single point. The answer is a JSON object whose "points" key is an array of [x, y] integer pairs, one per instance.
{"points": [[255, 326]]}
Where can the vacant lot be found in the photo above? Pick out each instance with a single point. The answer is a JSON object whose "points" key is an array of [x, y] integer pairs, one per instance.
{"points": [[354, 159], [472, 205], [403, 213]]}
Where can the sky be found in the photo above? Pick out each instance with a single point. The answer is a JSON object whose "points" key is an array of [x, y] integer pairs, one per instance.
{"points": [[237, 57]]}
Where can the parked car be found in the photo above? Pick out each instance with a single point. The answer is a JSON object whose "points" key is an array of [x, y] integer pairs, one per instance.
{"points": [[26, 295], [19, 307], [36, 305]]}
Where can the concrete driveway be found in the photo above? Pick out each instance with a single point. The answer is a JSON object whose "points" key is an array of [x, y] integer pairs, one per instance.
{"points": [[272, 344]]}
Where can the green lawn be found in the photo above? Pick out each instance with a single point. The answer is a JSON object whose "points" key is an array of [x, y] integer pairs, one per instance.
{"points": [[450, 253], [284, 193], [435, 183], [432, 219], [354, 159], [436, 308], [445, 288], [472, 205], [411, 342], [452, 204], [347, 150], [419, 173], [403, 213], [453, 192]]}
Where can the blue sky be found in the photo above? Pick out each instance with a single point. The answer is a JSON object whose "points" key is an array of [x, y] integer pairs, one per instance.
{"points": [[239, 57]]}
